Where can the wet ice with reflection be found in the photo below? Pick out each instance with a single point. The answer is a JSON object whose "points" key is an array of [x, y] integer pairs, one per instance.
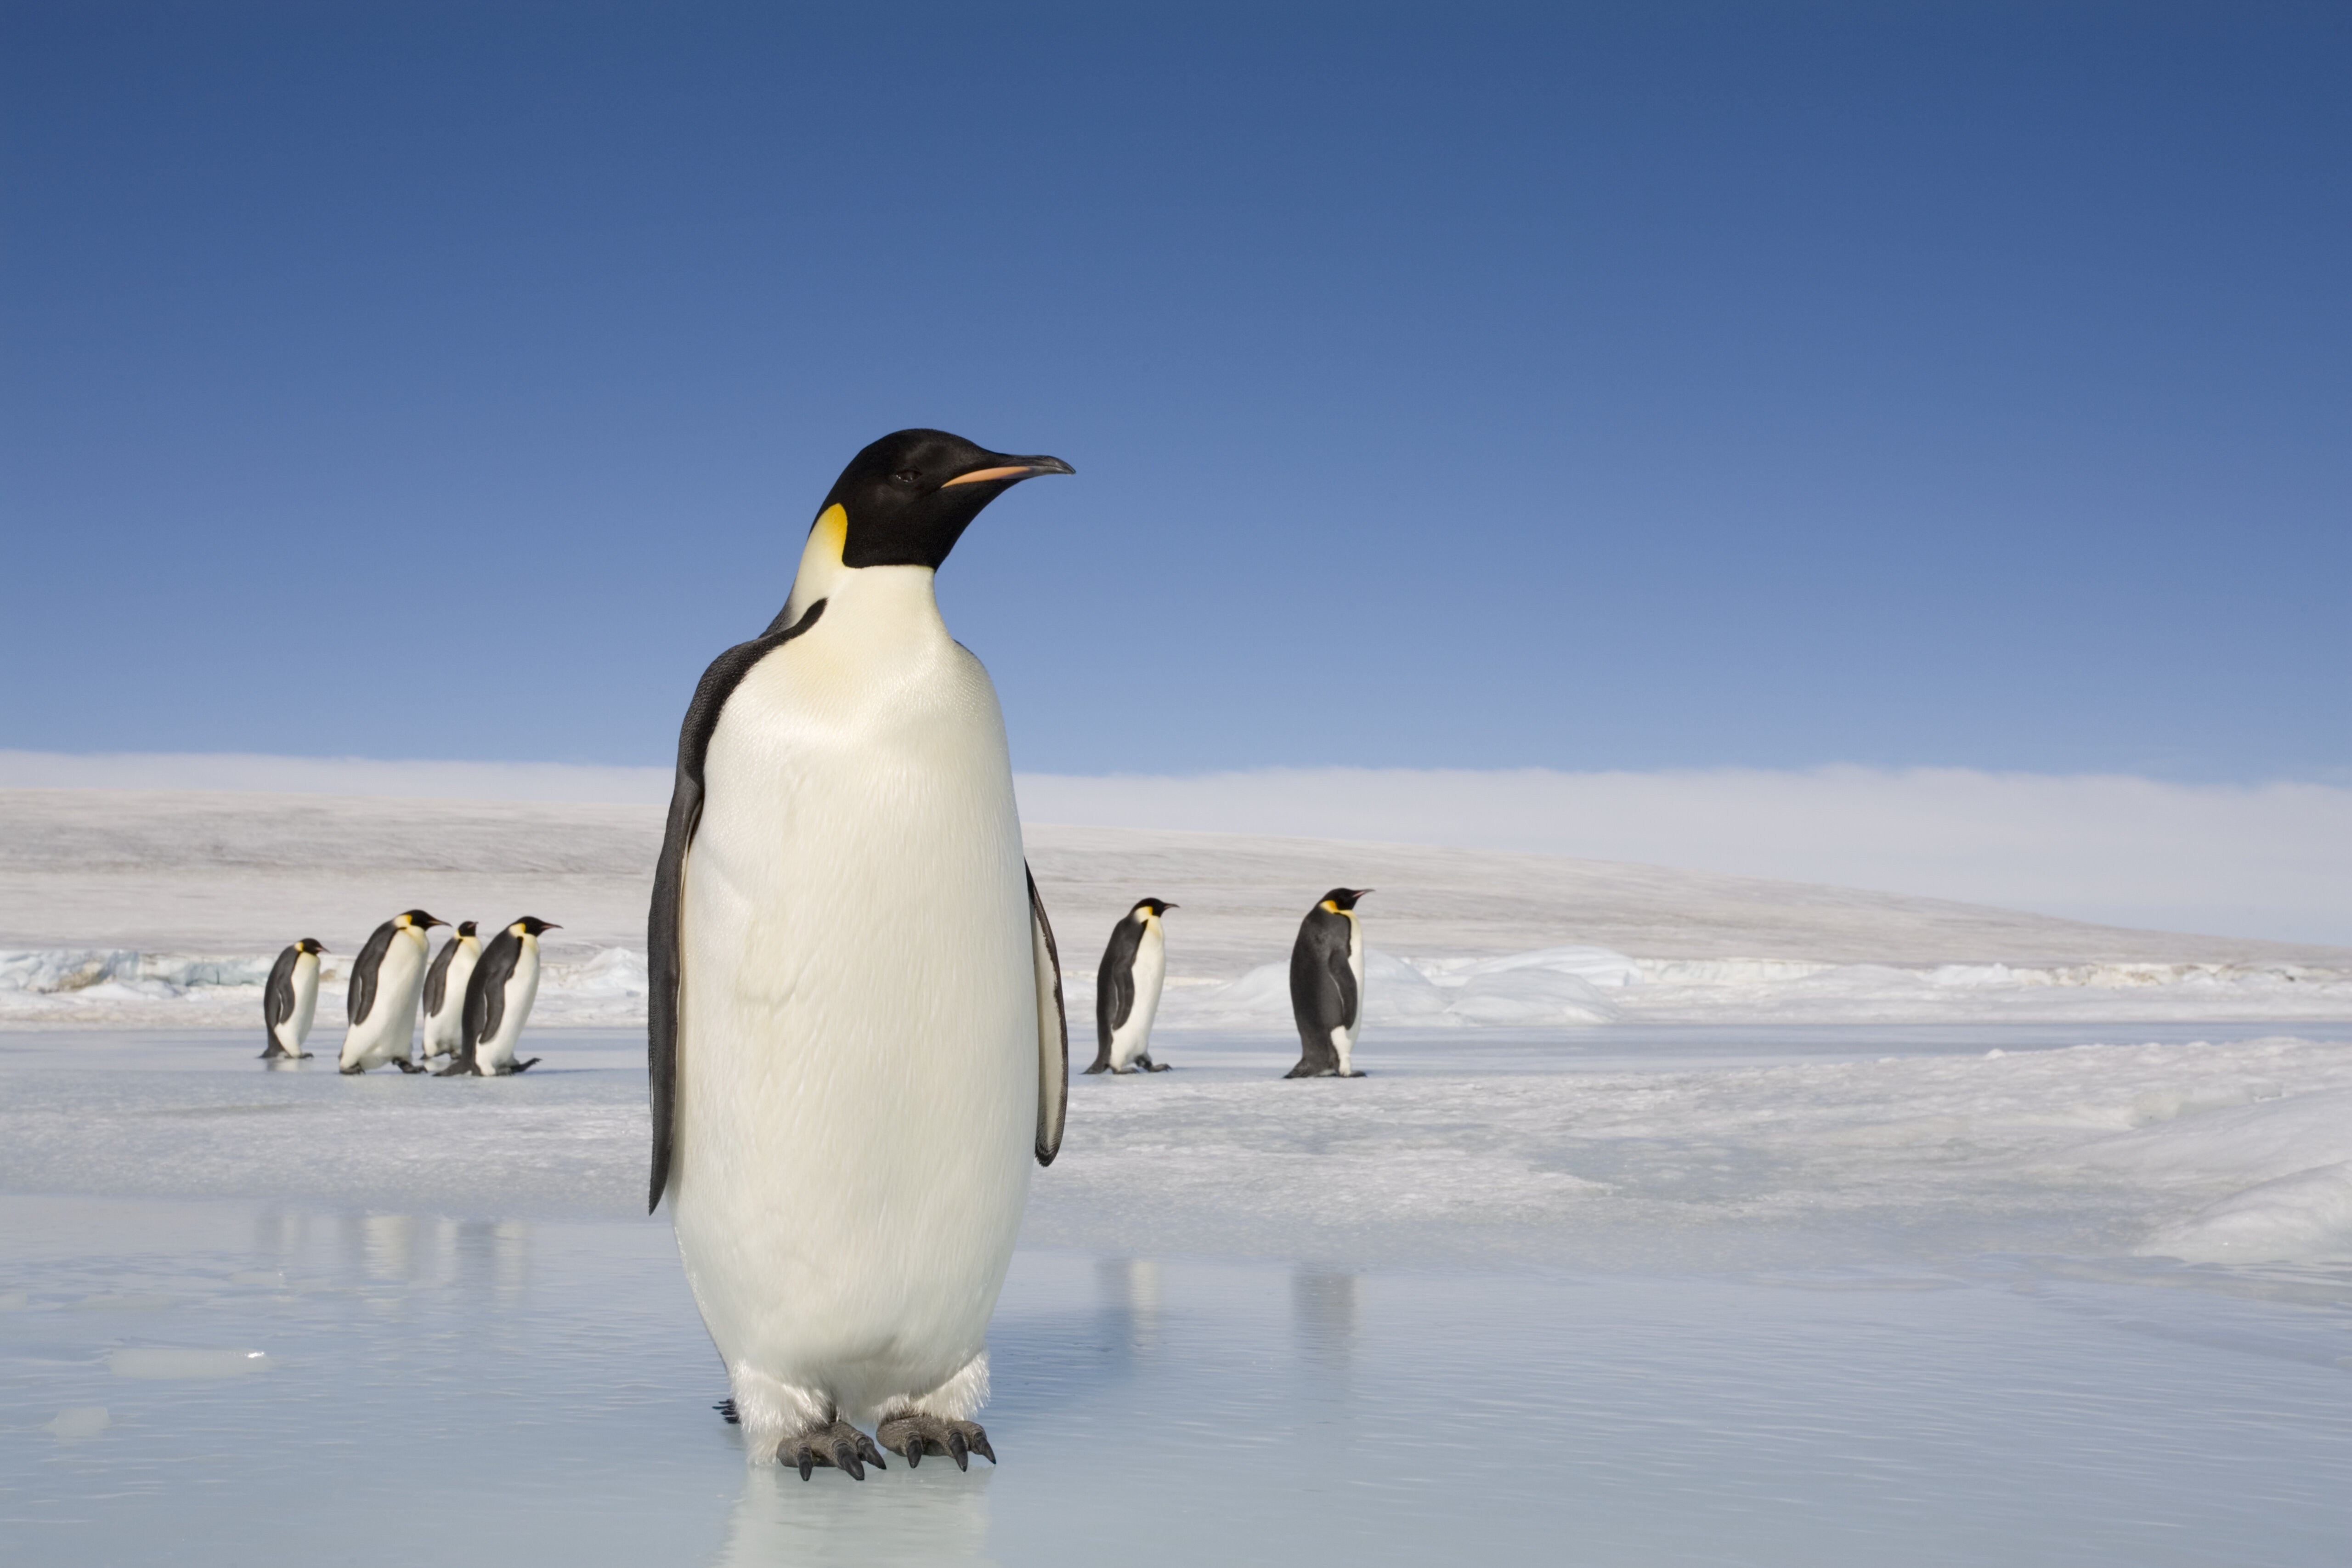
{"points": [[477, 1379]]}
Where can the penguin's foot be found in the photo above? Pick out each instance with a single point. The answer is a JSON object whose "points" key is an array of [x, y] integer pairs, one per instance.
{"points": [[350, 1071], [839, 1446], [916, 1435], [457, 1069], [1148, 1065], [725, 1408], [404, 1065], [524, 1066]]}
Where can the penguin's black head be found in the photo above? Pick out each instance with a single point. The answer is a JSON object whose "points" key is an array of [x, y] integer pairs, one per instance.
{"points": [[531, 925], [312, 945], [1343, 898], [418, 920], [909, 496], [465, 928], [1157, 906]]}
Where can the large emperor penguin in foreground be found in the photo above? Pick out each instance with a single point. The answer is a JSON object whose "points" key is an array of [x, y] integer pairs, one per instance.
{"points": [[856, 1042], [1327, 986]]}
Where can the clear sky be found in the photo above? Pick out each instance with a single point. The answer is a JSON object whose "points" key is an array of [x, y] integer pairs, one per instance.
{"points": [[1617, 387]]}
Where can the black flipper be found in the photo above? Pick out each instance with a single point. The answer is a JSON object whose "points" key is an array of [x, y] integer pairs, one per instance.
{"points": [[1053, 1029], [437, 979], [361, 1000], [662, 956], [277, 1001]]}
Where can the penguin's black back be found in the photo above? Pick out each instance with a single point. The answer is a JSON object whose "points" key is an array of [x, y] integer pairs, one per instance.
{"points": [[364, 970], [1322, 989], [278, 997], [1115, 986]]}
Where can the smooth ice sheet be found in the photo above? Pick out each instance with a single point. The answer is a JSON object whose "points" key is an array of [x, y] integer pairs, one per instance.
{"points": [[394, 1388]]}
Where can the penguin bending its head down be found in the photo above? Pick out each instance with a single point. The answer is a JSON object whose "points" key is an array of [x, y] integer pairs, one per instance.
{"points": [[499, 995], [291, 1001], [445, 991], [1326, 985], [1127, 991], [856, 1038], [386, 979]]}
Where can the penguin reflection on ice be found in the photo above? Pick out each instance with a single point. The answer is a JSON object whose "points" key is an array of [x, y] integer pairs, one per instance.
{"points": [[386, 979], [856, 1041], [1326, 985], [1126, 990], [291, 1001]]}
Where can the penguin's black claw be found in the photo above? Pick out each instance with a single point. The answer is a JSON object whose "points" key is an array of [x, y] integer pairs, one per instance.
{"points": [[839, 1447], [1151, 1066], [916, 1436], [524, 1066], [404, 1065], [725, 1408], [1099, 1067], [455, 1069]]}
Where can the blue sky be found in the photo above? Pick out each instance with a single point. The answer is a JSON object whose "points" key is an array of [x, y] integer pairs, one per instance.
{"points": [[1590, 387]]}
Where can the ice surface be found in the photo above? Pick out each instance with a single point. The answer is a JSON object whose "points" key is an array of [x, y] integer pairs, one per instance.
{"points": [[1673, 1294]]}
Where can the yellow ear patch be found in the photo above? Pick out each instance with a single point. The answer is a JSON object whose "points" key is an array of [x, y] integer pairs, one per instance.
{"points": [[833, 526], [1332, 907]]}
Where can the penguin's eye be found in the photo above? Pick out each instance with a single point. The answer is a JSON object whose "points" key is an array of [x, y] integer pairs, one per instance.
{"points": [[905, 477]]}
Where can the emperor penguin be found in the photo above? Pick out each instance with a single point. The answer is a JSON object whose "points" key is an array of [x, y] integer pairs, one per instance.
{"points": [[856, 1035], [499, 995], [445, 991], [1126, 990], [386, 979], [1326, 985], [291, 1001]]}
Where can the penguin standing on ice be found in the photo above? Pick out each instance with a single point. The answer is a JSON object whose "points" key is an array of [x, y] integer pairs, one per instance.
{"points": [[291, 1001], [855, 1035], [386, 979], [445, 991], [1326, 985], [499, 995], [1127, 991]]}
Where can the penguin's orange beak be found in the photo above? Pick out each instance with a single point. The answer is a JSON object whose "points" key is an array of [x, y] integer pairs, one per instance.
{"points": [[1019, 469]]}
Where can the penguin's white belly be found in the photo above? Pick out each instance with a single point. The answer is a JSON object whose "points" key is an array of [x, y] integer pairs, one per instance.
{"points": [[295, 1029], [498, 1052], [392, 1019], [1343, 1038], [857, 1037], [445, 1032], [1131, 1039]]}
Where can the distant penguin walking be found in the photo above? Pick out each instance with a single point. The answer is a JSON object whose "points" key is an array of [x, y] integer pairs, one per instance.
{"points": [[291, 1001], [499, 996], [1326, 985], [1127, 991], [445, 991], [386, 980]]}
